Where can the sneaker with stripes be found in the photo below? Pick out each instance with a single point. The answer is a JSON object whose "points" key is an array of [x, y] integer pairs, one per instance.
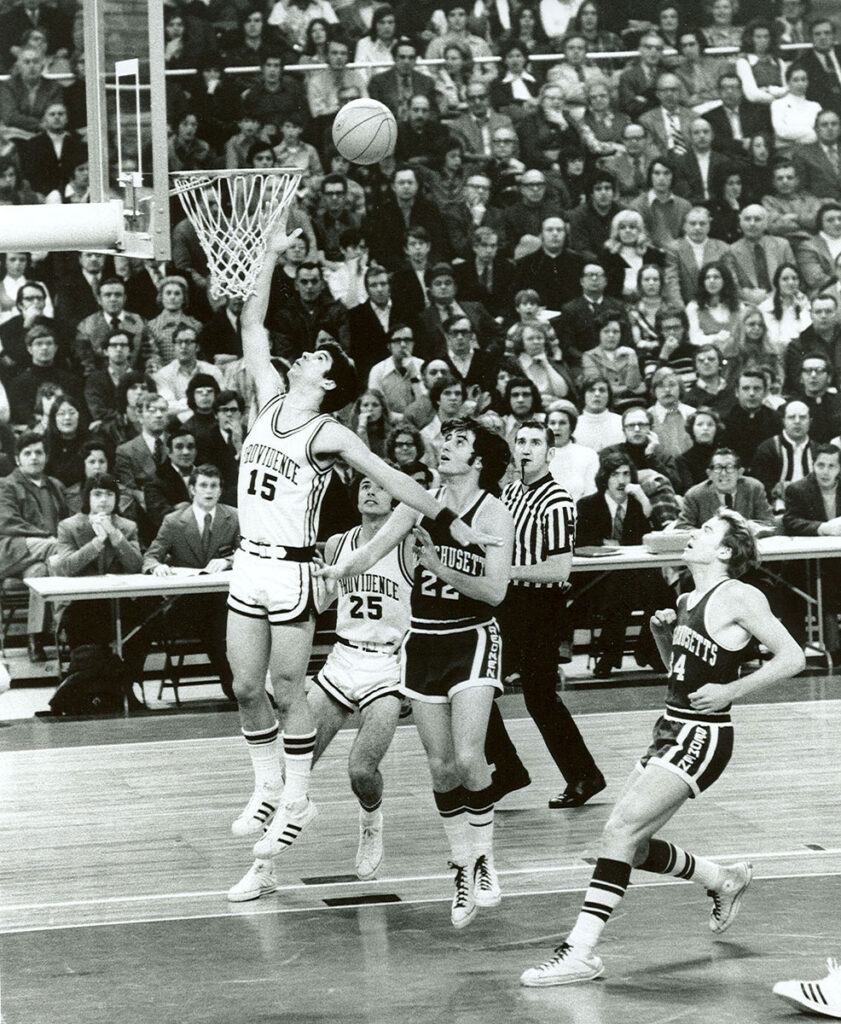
{"points": [[486, 890], [727, 898], [285, 829], [259, 880], [568, 966], [464, 905], [258, 812], [820, 997]]}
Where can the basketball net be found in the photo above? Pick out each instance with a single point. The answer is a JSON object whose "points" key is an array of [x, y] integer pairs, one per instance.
{"points": [[234, 213]]}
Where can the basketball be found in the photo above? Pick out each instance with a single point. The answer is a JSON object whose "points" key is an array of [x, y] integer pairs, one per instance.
{"points": [[364, 131]]}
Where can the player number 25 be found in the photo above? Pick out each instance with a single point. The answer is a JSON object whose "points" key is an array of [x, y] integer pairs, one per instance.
{"points": [[370, 607], [267, 484]]}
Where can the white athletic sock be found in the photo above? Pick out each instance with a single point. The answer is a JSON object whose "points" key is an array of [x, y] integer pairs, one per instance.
{"points": [[480, 817], [605, 892], [453, 813], [264, 749], [297, 756], [372, 816]]}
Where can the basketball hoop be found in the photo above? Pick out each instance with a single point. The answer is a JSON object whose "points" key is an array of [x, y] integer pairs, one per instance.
{"points": [[234, 212]]}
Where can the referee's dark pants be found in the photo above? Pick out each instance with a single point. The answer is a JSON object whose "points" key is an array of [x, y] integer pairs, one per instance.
{"points": [[532, 621]]}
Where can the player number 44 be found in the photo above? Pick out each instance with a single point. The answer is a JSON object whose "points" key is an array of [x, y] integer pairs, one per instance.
{"points": [[677, 668]]}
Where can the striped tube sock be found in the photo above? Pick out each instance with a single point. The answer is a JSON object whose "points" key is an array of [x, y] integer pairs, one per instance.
{"points": [[665, 858], [297, 756], [480, 816], [607, 887], [264, 749], [451, 807], [370, 815]]}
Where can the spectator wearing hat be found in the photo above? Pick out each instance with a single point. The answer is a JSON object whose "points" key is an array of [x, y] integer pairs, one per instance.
{"points": [[173, 379], [173, 301], [430, 339]]}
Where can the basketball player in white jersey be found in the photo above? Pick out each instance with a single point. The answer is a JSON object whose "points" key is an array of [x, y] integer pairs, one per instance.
{"points": [[284, 469], [704, 644], [362, 673], [451, 665]]}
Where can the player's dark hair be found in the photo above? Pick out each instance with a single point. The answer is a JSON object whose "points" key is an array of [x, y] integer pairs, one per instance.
{"points": [[492, 449], [537, 425], [741, 542], [609, 462], [100, 482], [415, 467], [343, 373]]}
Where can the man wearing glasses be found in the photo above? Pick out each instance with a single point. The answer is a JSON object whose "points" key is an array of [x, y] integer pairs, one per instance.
{"points": [[726, 487], [824, 405], [398, 377]]}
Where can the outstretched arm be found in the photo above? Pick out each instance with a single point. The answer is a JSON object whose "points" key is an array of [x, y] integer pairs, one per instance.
{"points": [[395, 528], [255, 338]]}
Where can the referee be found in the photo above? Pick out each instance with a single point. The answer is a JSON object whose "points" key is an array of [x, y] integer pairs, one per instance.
{"points": [[532, 619]]}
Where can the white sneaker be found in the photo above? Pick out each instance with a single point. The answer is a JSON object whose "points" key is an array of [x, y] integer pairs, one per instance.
{"points": [[287, 825], [258, 881], [369, 855], [464, 906], [726, 900], [821, 997], [568, 966], [258, 812], [486, 890]]}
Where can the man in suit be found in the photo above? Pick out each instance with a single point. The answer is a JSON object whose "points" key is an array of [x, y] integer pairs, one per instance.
{"points": [[787, 457], [89, 346], [387, 225], [576, 327], [398, 377], [136, 462], [48, 159], [170, 486], [430, 338], [823, 65], [30, 300], [220, 338], [700, 167], [616, 515], [473, 212], [26, 95], [526, 216], [756, 256], [726, 486], [204, 536], [396, 87], [77, 293], [420, 138], [312, 309], [638, 82], [819, 163], [410, 283], [589, 224], [736, 120], [686, 256], [669, 122], [486, 277], [824, 405], [370, 323], [475, 128], [554, 271], [32, 505], [816, 256], [630, 166], [749, 421], [222, 445]]}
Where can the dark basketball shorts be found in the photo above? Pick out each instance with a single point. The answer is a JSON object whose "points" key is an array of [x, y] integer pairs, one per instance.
{"points": [[695, 746], [435, 666]]}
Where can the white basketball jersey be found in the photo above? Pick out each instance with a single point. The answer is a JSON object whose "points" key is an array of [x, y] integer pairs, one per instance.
{"points": [[374, 607], [280, 486]]}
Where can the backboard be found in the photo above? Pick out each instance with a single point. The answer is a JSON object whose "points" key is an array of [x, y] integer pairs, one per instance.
{"points": [[127, 122]]}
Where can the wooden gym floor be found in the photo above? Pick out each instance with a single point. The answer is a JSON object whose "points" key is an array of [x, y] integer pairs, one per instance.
{"points": [[116, 856]]}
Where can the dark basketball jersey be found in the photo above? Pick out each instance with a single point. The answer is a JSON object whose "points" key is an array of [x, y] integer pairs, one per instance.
{"points": [[698, 659], [436, 606]]}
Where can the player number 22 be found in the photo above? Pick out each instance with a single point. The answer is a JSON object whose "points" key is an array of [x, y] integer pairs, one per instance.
{"points": [[431, 586], [370, 607], [267, 484]]}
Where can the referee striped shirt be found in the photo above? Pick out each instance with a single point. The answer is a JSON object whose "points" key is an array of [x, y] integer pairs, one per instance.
{"points": [[544, 523]]}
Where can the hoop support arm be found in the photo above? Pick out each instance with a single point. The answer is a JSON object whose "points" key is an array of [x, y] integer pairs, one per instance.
{"points": [[62, 227]]}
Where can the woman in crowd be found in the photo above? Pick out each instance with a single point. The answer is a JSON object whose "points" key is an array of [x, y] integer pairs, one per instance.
{"points": [[675, 349], [452, 79], [173, 300], [371, 420], [714, 316], [670, 30], [786, 311], [533, 343], [446, 181], [214, 99], [726, 204], [721, 31], [97, 458], [610, 359], [65, 436], [625, 253], [375, 48], [405, 446], [292, 17], [754, 349], [760, 68], [528, 29], [14, 190], [183, 47], [573, 465], [759, 172], [318, 35], [705, 429], [643, 314], [587, 22], [515, 90], [697, 71], [792, 115]]}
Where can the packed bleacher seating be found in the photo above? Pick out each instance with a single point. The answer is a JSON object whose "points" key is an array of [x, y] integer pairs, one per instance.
{"points": [[625, 218]]}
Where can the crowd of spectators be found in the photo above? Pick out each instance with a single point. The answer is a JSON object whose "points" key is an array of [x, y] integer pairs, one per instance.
{"points": [[645, 251]]}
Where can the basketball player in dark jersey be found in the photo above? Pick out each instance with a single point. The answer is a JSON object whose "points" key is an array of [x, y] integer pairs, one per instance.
{"points": [[703, 643], [451, 663]]}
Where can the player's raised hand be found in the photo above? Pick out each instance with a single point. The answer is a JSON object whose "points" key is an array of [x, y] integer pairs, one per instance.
{"points": [[279, 239], [464, 535], [328, 573], [663, 619], [424, 548], [711, 697]]}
